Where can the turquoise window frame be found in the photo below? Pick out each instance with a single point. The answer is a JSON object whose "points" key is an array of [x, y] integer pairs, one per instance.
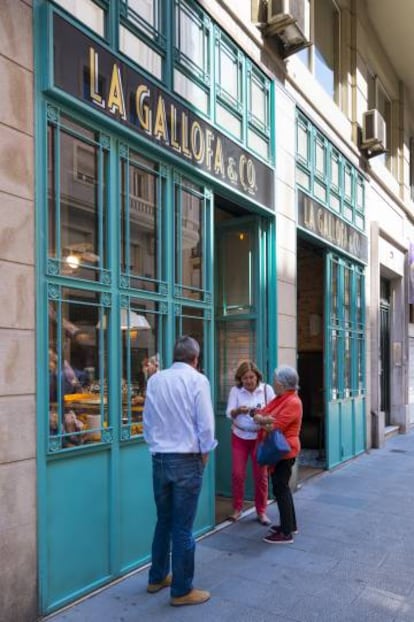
{"points": [[349, 205]]}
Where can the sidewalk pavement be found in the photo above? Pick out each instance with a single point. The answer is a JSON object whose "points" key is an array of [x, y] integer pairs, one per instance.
{"points": [[353, 560]]}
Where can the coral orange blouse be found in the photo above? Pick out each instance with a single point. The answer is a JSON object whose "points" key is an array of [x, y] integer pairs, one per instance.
{"points": [[286, 411]]}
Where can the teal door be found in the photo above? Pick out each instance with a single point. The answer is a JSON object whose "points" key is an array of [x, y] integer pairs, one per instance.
{"points": [[344, 359], [240, 320]]}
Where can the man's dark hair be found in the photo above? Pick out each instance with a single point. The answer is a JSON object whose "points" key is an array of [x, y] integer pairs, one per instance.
{"points": [[186, 349]]}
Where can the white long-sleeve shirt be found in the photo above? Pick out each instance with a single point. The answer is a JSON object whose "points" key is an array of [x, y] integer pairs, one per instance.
{"points": [[243, 424], [178, 413]]}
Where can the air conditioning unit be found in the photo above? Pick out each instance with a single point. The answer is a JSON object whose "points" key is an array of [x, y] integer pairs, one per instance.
{"points": [[374, 132], [289, 20]]}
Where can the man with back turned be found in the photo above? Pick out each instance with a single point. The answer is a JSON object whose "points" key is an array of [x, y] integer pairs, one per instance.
{"points": [[179, 429]]}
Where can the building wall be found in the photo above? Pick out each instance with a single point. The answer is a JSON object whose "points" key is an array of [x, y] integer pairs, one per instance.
{"points": [[18, 570]]}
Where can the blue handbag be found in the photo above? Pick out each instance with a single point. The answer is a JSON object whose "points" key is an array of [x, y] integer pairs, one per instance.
{"points": [[272, 448]]}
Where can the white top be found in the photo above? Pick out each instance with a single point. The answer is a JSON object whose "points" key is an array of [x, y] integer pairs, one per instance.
{"points": [[243, 424], [178, 413]]}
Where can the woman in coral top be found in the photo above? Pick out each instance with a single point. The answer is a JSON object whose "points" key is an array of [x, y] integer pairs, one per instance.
{"points": [[285, 413]]}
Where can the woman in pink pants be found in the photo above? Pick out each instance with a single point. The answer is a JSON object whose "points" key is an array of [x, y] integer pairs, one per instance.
{"points": [[249, 394]]}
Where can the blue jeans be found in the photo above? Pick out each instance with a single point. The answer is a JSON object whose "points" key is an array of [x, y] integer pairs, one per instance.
{"points": [[177, 480]]}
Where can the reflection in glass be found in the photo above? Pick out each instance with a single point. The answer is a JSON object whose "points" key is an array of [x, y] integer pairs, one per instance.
{"points": [[191, 322], [87, 12], [76, 219], [189, 240], [140, 338], [236, 342], [334, 364], [236, 288], [78, 389], [139, 222], [191, 40]]}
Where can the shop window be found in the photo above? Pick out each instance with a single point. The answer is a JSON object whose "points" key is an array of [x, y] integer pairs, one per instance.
{"points": [[191, 55], [78, 387], [190, 241], [141, 337], [322, 58], [91, 14], [141, 232], [77, 187]]}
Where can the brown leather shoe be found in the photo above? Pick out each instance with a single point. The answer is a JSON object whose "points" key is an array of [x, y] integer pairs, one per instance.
{"points": [[195, 597], [153, 588]]}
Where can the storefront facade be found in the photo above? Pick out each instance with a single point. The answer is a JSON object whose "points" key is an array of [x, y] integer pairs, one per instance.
{"points": [[155, 217], [331, 257]]}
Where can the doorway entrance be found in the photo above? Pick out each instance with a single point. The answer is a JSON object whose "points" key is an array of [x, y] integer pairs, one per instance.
{"points": [[241, 332], [310, 344]]}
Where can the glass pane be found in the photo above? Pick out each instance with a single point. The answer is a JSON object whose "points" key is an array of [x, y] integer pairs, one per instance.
{"points": [[320, 154], [78, 390], [236, 287], [145, 9], [258, 144], [140, 239], [335, 202], [191, 38], [326, 45], [334, 291], [190, 241], [139, 52], [361, 357], [319, 191], [190, 91], [348, 183], [87, 12], [334, 364], [236, 342], [302, 178], [229, 73], [335, 171], [140, 342], [347, 365], [76, 224], [191, 323], [258, 102], [347, 296], [228, 120], [360, 196], [303, 142]]}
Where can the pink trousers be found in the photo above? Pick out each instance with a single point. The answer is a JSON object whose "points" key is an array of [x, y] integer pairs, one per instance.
{"points": [[241, 450]]}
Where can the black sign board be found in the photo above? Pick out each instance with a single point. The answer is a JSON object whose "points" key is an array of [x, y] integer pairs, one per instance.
{"points": [[318, 220], [88, 71]]}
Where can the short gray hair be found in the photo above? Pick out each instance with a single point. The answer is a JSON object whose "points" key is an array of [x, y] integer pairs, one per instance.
{"points": [[287, 376], [186, 349]]}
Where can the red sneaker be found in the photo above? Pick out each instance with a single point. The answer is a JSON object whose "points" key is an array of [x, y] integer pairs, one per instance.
{"points": [[278, 529]]}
